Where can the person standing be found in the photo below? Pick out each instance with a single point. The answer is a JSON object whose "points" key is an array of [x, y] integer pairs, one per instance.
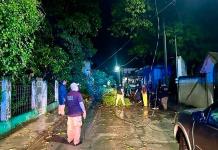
{"points": [[144, 96], [120, 95], [164, 96], [138, 94], [62, 93], [75, 111]]}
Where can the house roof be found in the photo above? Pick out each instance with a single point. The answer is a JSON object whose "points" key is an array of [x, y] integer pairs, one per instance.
{"points": [[214, 56], [211, 59]]}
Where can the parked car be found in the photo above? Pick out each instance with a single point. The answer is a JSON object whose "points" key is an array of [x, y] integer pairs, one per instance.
{"points": [[197, 129]]}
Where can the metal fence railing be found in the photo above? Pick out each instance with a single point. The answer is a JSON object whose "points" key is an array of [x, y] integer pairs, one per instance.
{"points": [[20, 99], [51, 93]]}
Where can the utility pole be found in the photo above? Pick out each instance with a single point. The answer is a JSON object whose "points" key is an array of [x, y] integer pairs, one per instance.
{"points": [[165, 55], [176, 57]]}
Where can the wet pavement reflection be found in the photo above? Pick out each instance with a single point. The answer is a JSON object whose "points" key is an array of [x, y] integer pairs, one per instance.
{"points": [[121, 128]]}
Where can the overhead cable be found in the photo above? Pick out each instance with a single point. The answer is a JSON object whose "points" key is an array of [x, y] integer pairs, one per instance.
{"points": [[121, 48], [158, 34], [129, 61], [158, 28]]}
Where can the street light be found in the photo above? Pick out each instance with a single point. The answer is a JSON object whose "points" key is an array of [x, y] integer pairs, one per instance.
{"points": [[117, 68]]}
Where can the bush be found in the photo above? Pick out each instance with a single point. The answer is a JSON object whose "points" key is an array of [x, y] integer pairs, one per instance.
{"points": [[110, 97]]}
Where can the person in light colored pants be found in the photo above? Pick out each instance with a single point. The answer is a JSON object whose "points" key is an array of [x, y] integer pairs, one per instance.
{"points": [[120, 96], [62, 93], [164, 101], [74, 128], [61, 109], [75, 111]]}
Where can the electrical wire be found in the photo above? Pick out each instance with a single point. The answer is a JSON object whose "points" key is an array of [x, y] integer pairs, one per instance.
{"points": [[129, 61], [121, 48], [171, 3], [158, 29], [158, 36]]}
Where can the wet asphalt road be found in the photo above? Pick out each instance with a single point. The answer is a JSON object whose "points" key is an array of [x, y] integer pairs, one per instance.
{"points": [[117, 128]]}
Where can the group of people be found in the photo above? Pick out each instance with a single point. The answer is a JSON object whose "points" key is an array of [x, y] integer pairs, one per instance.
{"points": [[72, 103], [146, 95], [140, 95]]}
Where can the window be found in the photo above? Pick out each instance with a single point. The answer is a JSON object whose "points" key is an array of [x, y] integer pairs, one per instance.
{"points": [[213, 118]]}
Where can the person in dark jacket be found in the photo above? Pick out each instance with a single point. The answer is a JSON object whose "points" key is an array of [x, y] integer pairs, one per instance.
{"points": [[62, 93], [138, 94], [75, 111]]}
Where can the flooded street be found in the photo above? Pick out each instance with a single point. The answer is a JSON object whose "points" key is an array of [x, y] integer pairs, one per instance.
{"points": [[121, 128]]}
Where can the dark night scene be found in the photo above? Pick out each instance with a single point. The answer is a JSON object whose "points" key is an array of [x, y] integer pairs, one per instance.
{"points": [[109, 74]]}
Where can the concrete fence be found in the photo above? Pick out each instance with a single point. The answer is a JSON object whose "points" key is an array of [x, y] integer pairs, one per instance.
{"points": [[38, 97]]}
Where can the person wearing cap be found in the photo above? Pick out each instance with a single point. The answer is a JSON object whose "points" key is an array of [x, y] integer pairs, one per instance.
{"points": [[62, 93], [75, 111]]}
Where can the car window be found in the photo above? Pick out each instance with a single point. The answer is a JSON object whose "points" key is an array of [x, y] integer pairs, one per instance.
{"points": [[213, 118]]}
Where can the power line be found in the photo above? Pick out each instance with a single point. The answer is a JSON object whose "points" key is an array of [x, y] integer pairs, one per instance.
{"points": [[158, 34], [121, 48], [129, 61], [158, 23], [171, 3], [163, 9], [157, 13]]}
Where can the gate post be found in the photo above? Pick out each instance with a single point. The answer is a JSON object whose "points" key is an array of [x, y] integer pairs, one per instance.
{"points": [[6, 100], [44, 97], [39, 95], [33, 95], [56, 90]]}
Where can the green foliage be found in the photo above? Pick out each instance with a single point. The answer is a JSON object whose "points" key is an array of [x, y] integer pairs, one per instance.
{"points": [[109, 98], [97, 84], [131, 20], [18, 22], [47, 48], [130, 17], [76, 23], [100, 77], [190, 43]]}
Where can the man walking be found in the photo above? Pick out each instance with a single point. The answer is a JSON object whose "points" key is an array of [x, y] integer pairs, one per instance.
{"points": [[75, 111]]}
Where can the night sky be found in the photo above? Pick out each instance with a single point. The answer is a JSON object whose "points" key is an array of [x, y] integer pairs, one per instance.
{"points": [[203, 12], [105, 43]]}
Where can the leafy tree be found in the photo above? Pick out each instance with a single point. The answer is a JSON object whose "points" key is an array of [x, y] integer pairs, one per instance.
{"points": [[194, 39], [18, 22], [130, 17], [97, 83], [74, 23]]}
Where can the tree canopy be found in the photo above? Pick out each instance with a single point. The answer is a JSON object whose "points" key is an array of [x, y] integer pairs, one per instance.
{"points": [[137, 19], [73, 25], [19, 20]]}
